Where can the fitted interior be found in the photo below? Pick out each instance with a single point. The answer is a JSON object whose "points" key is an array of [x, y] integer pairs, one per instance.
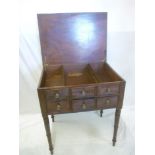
{"points": [[78, 74]]}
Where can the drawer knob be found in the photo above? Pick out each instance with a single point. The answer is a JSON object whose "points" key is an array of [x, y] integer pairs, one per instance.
{"points": [[84, 106], [108, 90], [83, 93], [107, 101], [58, 107], [57, 95]]}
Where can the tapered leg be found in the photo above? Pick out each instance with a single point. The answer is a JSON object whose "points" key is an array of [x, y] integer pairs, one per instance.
{"points": [[101, 112], [117, 117], [42, 99], [48, 133], [52, 116]]}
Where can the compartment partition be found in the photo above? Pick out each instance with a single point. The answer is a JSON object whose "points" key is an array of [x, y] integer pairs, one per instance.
{"points": [[77, 74], [67, 75], [55, 76]]}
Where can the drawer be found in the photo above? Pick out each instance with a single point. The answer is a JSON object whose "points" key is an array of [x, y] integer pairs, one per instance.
{"points": [[107, 102], [57, 94], [83, 105], [108, 89], [58, 107], [83, 92]]}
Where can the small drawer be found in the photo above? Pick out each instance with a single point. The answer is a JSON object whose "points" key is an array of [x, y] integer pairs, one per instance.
{"points": [[107, 102], [58, 107], [83, 105], [57, 94], [108, 89], [83, 92]]}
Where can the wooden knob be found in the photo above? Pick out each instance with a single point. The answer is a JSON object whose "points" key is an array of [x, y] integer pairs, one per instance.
{"points": [[83, 93], [108, 90], [58, 107], [107, 101], [57, 95], [84, 106]]}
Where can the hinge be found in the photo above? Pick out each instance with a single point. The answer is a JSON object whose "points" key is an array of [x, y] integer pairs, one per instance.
{"points": [[45, 62]]}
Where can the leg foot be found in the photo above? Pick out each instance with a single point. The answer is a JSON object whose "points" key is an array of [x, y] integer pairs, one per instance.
{"points": [[52, 116], [114, 142], [101, 112], [51, 150]]}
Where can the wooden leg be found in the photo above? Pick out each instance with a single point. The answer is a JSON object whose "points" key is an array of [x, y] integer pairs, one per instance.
{"points": [[52, 116], [117, 117], [101, 112], [48, 133]]}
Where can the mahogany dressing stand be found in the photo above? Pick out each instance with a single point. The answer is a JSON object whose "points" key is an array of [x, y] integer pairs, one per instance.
{"points": [[76, 76]]}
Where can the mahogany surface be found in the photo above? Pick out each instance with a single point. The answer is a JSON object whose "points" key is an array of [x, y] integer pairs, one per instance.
{"points": [[68, 38], [76, 76]]}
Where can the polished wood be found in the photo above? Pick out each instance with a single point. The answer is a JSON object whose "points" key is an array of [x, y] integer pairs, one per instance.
{"points": [[42, 100], [107, 102], [76, 76], [117, 117], [118, 112], [68, 38]]}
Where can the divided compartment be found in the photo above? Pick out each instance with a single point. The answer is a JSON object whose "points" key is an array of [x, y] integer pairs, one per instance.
{"points": [[68, 75], [79, 74], [55, 76], [104, 73]]}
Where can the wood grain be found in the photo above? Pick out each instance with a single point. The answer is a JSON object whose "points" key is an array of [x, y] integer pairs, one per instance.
{"points": [[68, 38]]}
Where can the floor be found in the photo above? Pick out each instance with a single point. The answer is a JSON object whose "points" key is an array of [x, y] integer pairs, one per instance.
{"points": [[84, 133]]}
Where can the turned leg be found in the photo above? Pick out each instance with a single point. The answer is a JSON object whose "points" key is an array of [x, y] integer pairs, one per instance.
{"points": [[101, 112], [52, 116], [48, 133], [117, 117]]}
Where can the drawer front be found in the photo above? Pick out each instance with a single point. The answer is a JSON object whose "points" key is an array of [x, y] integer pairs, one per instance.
{"points": [[57, 94], [83, 92], [58, 107], [108, 89], [107, 102], [83, 105]]}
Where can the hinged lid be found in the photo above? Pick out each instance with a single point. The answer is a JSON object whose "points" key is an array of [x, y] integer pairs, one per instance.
{"points": [[68, 38]]}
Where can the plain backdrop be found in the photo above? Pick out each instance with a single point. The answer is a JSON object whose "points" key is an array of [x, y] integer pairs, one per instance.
{"points": [[120, 55]]}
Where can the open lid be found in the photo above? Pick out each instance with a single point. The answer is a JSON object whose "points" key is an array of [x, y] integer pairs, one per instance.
{"points": [[68, 38]]}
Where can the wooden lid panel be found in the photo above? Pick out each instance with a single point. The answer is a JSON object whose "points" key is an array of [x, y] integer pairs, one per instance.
{"points": [[68, 38]]}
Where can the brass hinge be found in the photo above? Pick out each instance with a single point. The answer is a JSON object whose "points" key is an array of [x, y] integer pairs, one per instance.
{"points": [[45, 62]]}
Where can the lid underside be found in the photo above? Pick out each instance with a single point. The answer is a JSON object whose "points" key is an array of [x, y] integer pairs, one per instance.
{"points": [[68, 38]]}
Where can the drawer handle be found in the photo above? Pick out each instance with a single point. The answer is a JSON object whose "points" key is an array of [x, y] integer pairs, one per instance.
{"points": [[58, 107], [84, 106], [57, 95], [107, 101], [83, 93], [108, 90]]}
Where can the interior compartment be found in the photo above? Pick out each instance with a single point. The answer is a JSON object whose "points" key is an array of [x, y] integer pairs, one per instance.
{"points": [[104, 73], [74, 74], [55, 76], [78, 74]]}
